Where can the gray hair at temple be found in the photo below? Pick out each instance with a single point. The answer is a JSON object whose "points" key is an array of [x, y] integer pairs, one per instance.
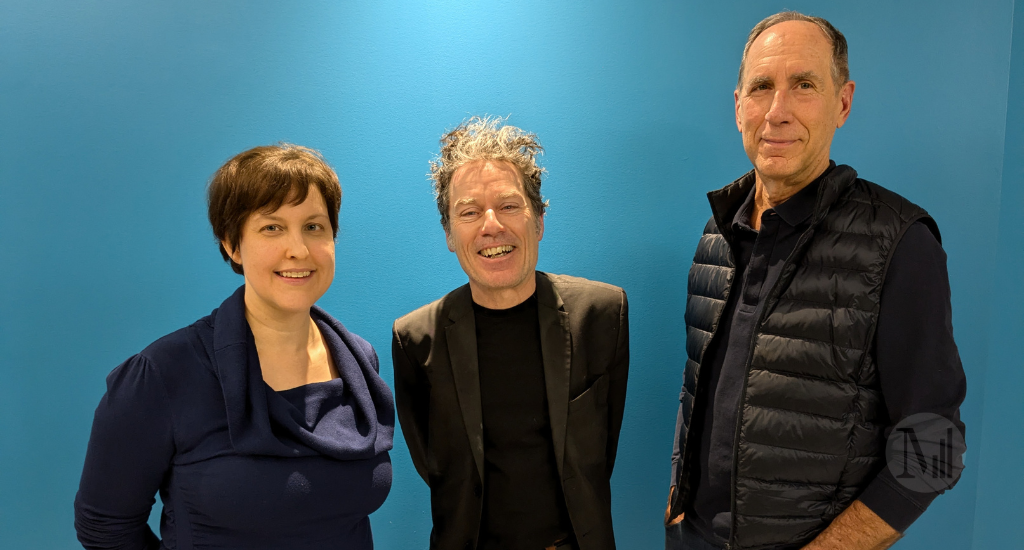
{"points": [[840, 62], [487, 138]]}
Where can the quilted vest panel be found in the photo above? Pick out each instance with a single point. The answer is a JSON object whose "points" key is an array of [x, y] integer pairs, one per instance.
{"points": [[810, 433]]}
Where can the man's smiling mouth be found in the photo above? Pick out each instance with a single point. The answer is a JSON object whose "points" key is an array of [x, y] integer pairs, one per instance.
{"points": [[496, 251]]}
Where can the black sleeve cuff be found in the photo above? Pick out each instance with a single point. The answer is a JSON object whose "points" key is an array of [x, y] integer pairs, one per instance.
{"points": [[896, 505]]}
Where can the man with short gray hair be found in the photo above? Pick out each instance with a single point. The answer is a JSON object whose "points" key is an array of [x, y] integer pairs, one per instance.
{"points": [[510, 389], [821, 393]]}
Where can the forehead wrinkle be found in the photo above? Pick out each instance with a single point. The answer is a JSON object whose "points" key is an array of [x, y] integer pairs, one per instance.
{"points": [[807, 75]]}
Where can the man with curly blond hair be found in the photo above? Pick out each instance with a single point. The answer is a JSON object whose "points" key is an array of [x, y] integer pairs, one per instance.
{"points": [[510, 389]]}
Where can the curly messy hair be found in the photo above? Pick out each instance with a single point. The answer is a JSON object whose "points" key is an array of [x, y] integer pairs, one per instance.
{"points": [[487, 138]]}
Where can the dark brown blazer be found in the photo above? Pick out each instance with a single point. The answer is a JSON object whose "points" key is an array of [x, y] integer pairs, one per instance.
{"points": [[584, 336]]}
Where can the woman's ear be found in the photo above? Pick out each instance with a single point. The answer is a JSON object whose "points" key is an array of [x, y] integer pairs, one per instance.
{"points": [[234, 253]]}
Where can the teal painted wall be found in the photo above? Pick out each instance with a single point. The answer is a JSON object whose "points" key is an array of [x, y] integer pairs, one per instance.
{"points": [[999, 516], [114, 114]]}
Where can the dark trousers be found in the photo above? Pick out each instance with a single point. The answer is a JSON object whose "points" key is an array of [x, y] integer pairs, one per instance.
{"points": [[682, 536]]}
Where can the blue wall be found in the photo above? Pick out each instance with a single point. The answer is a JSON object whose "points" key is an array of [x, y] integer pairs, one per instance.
{"points": [[113, 114], [1001, 461]]}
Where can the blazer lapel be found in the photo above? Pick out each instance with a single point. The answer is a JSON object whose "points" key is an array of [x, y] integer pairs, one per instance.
{"points": [[461, 337], [556, 349]]}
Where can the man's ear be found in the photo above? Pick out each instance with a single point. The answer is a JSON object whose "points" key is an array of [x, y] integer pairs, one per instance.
{"points": [[845, 102], [233, 253], [449, 240], [736, 102]]}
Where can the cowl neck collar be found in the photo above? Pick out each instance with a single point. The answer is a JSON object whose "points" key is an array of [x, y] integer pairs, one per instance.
{"points": [[351, 417]]}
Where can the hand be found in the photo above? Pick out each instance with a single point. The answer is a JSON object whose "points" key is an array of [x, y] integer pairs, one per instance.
{"points": [[668, 510]]}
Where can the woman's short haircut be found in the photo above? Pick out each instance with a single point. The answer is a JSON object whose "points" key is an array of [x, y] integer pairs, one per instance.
{"points": [[487, 138], [261, 180]]}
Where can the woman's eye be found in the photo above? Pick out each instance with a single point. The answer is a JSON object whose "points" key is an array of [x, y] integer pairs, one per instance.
{"points": [[272, 228], [314, 227]]}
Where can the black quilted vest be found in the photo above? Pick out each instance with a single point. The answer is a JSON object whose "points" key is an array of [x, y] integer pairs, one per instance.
{"points": [[809, 434]]}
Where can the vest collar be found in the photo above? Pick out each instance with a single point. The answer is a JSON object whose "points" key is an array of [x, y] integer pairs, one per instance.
{"points": [[725, 202]]}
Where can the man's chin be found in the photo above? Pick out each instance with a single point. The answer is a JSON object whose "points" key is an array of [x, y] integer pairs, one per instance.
{"points": [[497, 284], [501, 281], [774, 167]]}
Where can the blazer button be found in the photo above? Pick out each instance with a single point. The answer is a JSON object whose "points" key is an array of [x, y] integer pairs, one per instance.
{"points": [[476, 491], [468, 545]]}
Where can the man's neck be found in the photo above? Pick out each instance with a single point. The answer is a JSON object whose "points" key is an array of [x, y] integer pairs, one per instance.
{"points": [[769, 193], [504, 298]]}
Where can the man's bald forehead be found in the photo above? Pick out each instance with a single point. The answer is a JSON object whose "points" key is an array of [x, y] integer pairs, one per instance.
{"points": [[840, 63]]}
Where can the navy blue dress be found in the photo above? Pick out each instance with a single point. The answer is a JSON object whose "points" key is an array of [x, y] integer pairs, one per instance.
{"points": [[236, 464]]}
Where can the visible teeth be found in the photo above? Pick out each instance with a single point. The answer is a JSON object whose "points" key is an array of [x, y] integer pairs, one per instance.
{"points": [[295, 274], [496, 251]]}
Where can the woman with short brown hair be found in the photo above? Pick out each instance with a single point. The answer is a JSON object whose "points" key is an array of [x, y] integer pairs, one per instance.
{"points": [[264, 424]]}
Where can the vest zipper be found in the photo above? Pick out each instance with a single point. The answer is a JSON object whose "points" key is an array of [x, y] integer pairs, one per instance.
{"points": [[761, 318]]}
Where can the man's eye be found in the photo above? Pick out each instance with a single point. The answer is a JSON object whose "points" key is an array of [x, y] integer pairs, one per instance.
{"points": [[806, 86]]}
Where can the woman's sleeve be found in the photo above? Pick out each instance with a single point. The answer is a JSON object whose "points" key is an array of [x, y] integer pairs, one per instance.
{"points": [[129, 453]]}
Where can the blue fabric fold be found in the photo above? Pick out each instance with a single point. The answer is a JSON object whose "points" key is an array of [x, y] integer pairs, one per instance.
{"points": [[349, 418]]}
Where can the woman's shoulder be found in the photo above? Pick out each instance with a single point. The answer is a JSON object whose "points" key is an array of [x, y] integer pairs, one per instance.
{"points": [[181, 357]]}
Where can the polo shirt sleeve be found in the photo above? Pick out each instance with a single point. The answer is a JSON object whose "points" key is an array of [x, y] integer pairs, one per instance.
{"points": [[918, 363]]}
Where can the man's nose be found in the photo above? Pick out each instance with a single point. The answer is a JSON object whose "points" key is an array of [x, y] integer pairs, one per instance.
{"points": [[491, 224], [779, 112]]}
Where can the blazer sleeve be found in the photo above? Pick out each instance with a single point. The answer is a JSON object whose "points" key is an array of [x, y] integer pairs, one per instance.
{"points": [[618, 374], [412, 399], [130, 450]]}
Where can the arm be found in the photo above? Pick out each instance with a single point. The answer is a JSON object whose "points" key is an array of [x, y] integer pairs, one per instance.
{"points": [[919, 368], [677, 464], [669, 520], [129, 453], [856, 528], [412, 399], [919, 371], [617, 378]]}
